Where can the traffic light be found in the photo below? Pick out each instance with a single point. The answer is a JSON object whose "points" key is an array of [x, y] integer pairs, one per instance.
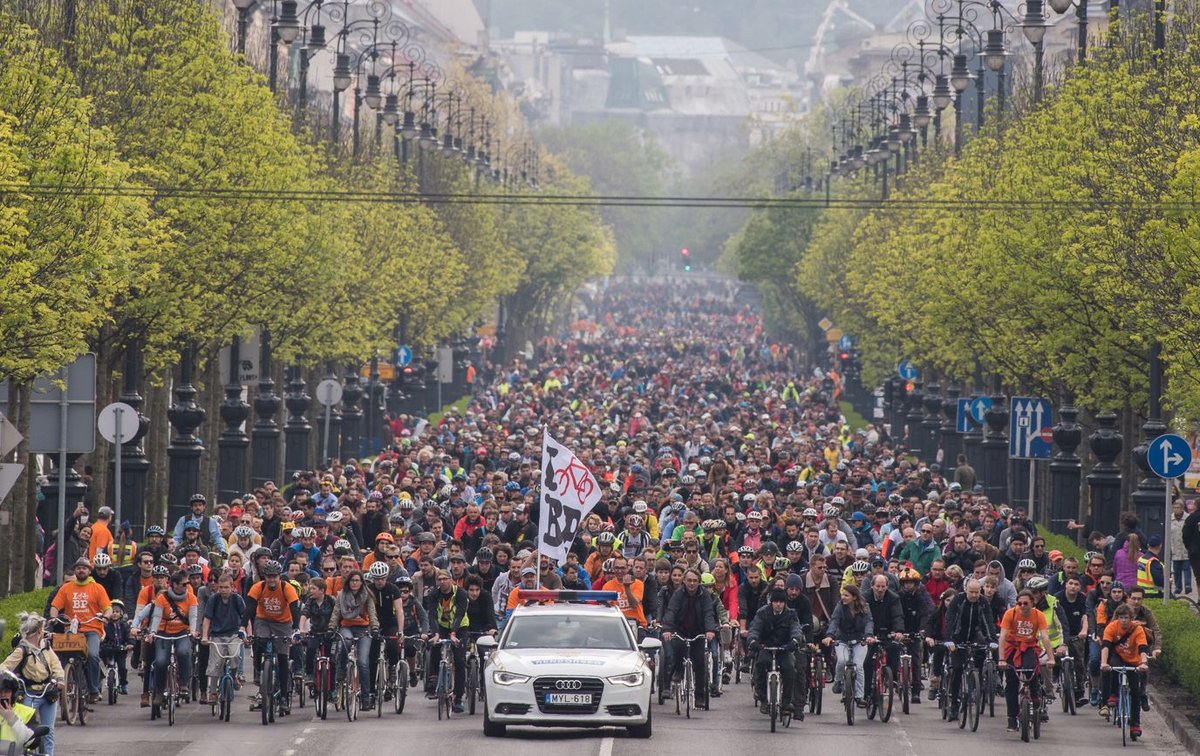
{"points": [[686, 258]]}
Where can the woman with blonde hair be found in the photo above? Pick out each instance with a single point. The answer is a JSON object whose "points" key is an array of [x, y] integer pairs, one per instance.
{"points": [[40, 671]]}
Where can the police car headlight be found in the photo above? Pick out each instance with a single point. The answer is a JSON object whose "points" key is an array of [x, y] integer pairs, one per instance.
{"points": [[500, 677], [631, 680]]}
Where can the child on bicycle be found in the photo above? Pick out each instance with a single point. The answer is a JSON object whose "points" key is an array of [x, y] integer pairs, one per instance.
{"points": [[222, 630], [116, 644]]}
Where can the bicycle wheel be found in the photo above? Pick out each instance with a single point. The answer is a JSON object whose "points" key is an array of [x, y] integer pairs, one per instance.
{"points": [[1068, 688], [966, 695], [401, 694], [352, 690], [472, 682], [848, 693], [266, 688], [81, 689], [677, 694], [443, 694], [738, 654], [225, 698], [816, 690], [111, 683], [321, 687], [971, 707], [887, 696], [381, 680], [70, 705], [689, 690], [172, 691], [1025, 714], [989, 683], [773, 700], [905, 684], [299, 687], [1123, 713]]}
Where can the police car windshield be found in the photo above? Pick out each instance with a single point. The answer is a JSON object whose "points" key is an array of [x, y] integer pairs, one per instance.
{"points": [[565, 631]]}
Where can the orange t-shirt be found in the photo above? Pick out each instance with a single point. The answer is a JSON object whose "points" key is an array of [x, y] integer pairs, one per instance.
{"points": [[637, 588], [1130, 649], [1023, 631], [83, 602], [273, 605], [101, 538], [172, 623]]}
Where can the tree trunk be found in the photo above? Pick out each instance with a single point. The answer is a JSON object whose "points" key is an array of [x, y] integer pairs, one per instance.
{"points": [[25, 573]]}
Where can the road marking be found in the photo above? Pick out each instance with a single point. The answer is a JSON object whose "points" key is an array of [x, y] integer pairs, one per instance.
{"points": [[606, 746], [290, 752], [307, 730], [298, 741]]}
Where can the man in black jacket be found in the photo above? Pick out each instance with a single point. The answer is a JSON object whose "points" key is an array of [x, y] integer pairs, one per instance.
{"points": [[689, 615], [969, 620], [775, 626], [798, 602], [888, 618], [916, 605]]}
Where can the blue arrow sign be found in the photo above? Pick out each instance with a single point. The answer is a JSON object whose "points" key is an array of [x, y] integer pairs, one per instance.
{"points": [[962, 418], [979, 407], [906, 370], [845, 343], [1169, 455], [1030, 422], [403, 355]]}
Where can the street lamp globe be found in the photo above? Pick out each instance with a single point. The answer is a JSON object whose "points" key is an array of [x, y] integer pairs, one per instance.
{"points": [[994, 53], [316, 37], [907, 132], [342, 73], [921, 114], [1061, 6], [244, 5], [894, 139], [1033, 24], [408, 128], [447, 144], [960, 75], [391, 111], [373, 96], [942, 95], [288, 25]]}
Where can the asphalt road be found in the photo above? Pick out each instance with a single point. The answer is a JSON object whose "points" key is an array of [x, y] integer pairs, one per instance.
{"points": [[733, 726]]}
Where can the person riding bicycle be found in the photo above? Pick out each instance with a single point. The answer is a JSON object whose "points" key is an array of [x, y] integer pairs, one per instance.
{"points": [[851, 621], [316, 611], [1056, 624], [416, 622], [356, 619], [117, 643], [40, 673], [389, 607], [1127, 639], [1022, 629], [916, 605], [17, 721], [177, 616], [222, 627], [84, 600], [775, 625], [273, 611], [630, 591], [447, 606], [690, 614], [888, 619], [798, 602], [969, 621]]}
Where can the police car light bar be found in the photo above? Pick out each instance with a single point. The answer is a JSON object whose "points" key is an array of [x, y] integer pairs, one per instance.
{"points": [[601, 597]]}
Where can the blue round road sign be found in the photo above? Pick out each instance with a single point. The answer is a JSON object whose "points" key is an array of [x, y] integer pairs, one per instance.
{"points": [[1169, 456], [403, 356], [906, 370]]}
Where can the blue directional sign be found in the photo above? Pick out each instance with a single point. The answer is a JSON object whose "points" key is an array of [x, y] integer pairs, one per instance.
{"points": [[1169, 456], [1030, 428], [845, 343], [403, 355], [979, 407], [962, 418], [906, 370]]}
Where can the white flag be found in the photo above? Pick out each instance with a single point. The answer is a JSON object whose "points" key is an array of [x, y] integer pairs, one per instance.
{"points": [[569, 491]]}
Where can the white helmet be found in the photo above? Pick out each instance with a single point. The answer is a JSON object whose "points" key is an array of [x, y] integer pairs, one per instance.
{"points": [[102, 559], [378, 570]]}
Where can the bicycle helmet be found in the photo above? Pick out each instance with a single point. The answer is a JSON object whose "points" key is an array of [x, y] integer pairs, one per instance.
{"points": [[860, 567], [894, 498], [404, 582], [191, 525], [782, 563], [809, 512], [155, 530], [909, 575], [342, 547], [378, 570], [1117, 585], [306, 533], [635, 520], [606, 538], [770, 548], [396, 518], [795, 546], [707, 579], [608, 565], [169, 559], [1037, 583], [746, 552], [1026, 564], [272, 568], [195, 569], [160, 570], [101, 559], [12, 683], [485, 554], [261, 551], [243, 531], [119, 603]]}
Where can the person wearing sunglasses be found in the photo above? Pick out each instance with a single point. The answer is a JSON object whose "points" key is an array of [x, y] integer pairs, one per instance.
{"points": [[1022, 631]]}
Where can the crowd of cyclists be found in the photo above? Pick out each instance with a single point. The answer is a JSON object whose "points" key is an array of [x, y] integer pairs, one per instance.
{"points": [[738, 506]]}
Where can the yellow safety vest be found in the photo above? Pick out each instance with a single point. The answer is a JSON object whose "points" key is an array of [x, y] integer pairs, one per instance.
{"points": [[1145, 577], [24, 713], [1053, 628]]}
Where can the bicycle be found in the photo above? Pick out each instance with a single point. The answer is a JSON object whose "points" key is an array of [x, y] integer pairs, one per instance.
{"points": [[276, 699], [849, 678], [297, 665], [775, 690], [971, 699], [222, 697], [322, 683], [1066, 681], [170, 696], [1119, 715], [388, 683], [404, 676], [349, 686], [445, 678], [906, 671], [71, 647], [1028, 715], [737, 653], [684, 691], [475, 689], [111, 680], [990, 677], [816, 679], [882, 695]]}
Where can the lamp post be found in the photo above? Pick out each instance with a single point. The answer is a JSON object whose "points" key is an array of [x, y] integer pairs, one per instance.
{"points": [[1081, 16], [134, 465], [264, 436], [233, 442], [297, 430], [243, 8], [186, 447], [285, 28]]}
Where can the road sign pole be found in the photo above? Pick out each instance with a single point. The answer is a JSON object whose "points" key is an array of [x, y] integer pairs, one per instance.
{"points": [[1166, 560], [325, 435], [1032, 482], [64, 404], [117, 467]]}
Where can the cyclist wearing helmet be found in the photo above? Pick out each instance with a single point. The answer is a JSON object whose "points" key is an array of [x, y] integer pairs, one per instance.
{"points": [[917, 606], [1026, 570], [208, 532], [389, 607], [630, 591], [273, 611], [1056, 624], [156, 542], [416, 623], [606, 544], [778, 626], [485, 567], [104, 574], [17, 721], [633, 539], [447, 607]]}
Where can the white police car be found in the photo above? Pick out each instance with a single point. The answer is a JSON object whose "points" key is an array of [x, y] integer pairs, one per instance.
{"points": [[567, 665]]}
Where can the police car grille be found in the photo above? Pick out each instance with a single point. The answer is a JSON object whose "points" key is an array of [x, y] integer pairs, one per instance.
{"points": [[544, 685]]}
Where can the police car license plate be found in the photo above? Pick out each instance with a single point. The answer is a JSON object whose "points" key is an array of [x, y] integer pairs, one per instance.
{"points": [[569, 699]]}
